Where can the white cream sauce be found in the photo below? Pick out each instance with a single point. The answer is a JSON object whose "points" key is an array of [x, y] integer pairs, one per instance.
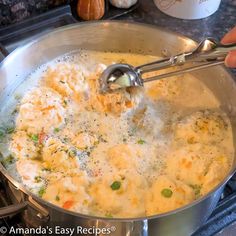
{"points": [[127, 154]]}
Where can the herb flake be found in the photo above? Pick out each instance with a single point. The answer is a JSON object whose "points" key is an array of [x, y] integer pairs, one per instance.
{"points": [[141, 141], [41, 191], [57, 198], [35, 138], [56, 130]]}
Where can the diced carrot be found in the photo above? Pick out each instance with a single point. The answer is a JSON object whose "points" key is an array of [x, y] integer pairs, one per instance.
{"points": [[48, 108], [19, 148], [42, 137], [68, 204], [128, 104]]}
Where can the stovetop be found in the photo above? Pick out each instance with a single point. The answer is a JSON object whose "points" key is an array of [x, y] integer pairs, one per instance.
{"points": [[222, 222]]}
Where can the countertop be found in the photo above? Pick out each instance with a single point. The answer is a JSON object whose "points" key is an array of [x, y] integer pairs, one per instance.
{"points": [[215, 25]]}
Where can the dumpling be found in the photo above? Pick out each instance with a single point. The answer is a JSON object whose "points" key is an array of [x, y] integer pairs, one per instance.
{"points": [[202, 127], [129, 156], [215, 174], [191, 164], [41, 110], [59, 156], [23, 146], [67, 79], [69, 192], [167, 194], [118, 195], [122, 156], [28, 170]]}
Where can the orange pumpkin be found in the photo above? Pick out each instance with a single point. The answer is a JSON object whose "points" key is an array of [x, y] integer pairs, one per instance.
{"points": [[91, 9]]}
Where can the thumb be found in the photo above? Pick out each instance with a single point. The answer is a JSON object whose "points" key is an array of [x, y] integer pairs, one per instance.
{"points": [[230, 37], [230, 60]]}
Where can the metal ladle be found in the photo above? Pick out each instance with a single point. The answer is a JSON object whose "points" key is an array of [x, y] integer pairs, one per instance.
{"points": [[208, 53]]}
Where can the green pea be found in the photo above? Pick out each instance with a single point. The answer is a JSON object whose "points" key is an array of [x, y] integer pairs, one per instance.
{"points": [[115, 185], [166, 192]]}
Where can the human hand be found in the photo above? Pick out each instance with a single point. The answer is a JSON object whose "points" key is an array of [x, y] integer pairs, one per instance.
{"points": [[230, 37]]}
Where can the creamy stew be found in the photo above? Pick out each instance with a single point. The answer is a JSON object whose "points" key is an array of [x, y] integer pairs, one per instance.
{"points": [[130, 153]]}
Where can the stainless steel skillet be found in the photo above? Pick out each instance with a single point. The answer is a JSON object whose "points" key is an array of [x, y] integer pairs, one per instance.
{"points": [[118, 37]]}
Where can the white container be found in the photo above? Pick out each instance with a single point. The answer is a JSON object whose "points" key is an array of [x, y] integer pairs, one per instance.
{"points": [[188, 9]]}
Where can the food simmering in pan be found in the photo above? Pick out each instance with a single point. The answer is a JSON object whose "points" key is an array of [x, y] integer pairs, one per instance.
{"points": [[129, 153]]}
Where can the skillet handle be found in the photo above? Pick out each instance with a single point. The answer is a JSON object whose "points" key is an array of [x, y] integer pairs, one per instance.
{"points": [[3, 52], [13, 209]]}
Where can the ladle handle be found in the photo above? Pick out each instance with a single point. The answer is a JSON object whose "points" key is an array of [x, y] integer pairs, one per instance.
{"points": [[207, 51], [214, 52]]}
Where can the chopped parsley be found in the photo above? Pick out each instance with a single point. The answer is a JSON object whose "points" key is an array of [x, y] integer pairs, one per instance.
{"points": [[38, 179], [41, 191], [10, 130], [8, 160], [35, 138], [57, 198], [56, 130], [46, 169], [88, 153], [18, 97], [14, 111], [72, 152], [141, 141], [166, 192], [197, 189], [66, 139], [108, 215], [2, 132], [95, 143], [115, 185]]}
